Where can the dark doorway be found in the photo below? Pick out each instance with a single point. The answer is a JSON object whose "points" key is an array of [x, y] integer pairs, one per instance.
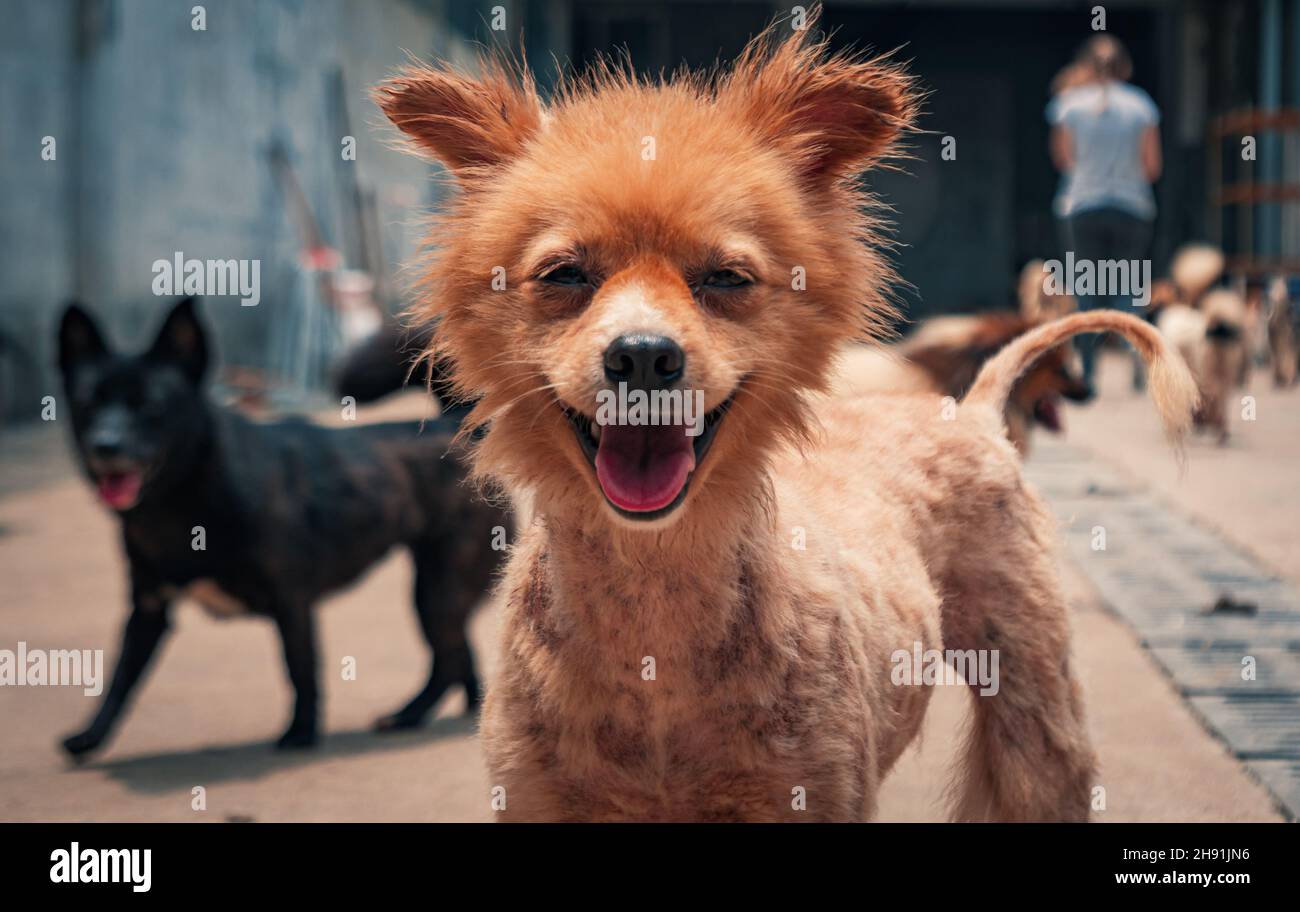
{"points": [[969, 224], [966, 225]]}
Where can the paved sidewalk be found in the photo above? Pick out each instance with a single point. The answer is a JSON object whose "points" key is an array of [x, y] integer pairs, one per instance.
{"points": [[217, 697], [1203, 564]]}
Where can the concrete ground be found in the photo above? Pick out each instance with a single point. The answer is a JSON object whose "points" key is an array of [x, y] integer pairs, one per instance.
{"points": [[1247, 490], [217, 697]]}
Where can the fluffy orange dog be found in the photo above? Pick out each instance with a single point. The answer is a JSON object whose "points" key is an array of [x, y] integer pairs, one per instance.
{"points": [[707, 627]]}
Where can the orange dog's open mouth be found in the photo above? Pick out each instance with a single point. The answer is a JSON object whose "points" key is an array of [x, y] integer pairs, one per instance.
{"points": [[644, 471]]}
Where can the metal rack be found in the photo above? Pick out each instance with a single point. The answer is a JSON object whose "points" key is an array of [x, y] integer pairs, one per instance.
{"points": [[1251, 190]]}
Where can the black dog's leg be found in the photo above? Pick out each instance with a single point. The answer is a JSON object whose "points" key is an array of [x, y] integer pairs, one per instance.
{"points": [[444, 602], [298, 633], [144, 629]]}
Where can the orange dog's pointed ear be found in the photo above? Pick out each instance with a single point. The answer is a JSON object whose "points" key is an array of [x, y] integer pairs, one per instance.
{"points": [[835, 114], [469, 123]]}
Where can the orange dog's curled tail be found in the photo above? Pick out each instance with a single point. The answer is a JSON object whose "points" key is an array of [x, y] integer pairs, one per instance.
{"points": [[1170, 382]]}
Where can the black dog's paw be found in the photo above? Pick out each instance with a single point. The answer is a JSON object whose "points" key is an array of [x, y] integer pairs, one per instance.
{"points": [[296, 739], [398, 722], [81, 744]]}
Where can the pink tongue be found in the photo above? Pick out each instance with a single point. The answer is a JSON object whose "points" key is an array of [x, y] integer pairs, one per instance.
{"points": [[644, 467], [120, 489]]}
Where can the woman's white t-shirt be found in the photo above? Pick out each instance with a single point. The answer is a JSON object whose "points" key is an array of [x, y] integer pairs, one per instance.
{"points": [[1106, 121]]}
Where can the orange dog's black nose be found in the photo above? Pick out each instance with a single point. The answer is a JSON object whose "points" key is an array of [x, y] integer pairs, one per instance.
{"points": [[644, 362]]}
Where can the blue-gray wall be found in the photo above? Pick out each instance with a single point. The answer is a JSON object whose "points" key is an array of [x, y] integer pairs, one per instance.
{"points": [[162, 137], [37, 198]]}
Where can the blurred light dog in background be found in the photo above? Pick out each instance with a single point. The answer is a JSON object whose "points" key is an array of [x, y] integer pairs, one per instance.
{"points": [[706, 627], [944, 355], [1283, 317], [1208, 328], [1036, 304], [264, 519]]}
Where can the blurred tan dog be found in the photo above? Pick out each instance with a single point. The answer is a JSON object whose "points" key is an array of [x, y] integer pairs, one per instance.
{"points": [[1207, 327], [1036, 305], [943, 357], [1282, 317]]}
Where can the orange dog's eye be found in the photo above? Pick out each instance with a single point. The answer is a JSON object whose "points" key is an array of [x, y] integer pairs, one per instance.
{"points": [[726, 278], [565, 275]]}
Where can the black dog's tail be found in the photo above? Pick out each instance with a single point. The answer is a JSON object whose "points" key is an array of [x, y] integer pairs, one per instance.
{"points": [[389, 361], [382, 364]]}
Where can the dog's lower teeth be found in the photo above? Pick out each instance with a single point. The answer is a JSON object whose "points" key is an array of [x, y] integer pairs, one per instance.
{"points": [[595, 431]]}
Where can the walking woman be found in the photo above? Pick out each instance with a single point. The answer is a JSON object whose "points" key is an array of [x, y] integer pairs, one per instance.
{"points": [[1105, 140]]}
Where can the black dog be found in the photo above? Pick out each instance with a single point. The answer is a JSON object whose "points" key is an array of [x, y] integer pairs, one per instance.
{"points": [[265, 518]]}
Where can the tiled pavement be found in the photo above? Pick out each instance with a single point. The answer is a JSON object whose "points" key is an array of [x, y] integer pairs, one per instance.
{"points": [[1163, 574], [1159, 573]]}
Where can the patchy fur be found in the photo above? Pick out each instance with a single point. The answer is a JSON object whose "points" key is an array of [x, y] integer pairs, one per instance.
{"points": [[818, 535]]}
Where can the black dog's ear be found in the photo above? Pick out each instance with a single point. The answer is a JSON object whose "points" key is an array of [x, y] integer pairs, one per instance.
{"points": [[79, 339], [182, 342]]}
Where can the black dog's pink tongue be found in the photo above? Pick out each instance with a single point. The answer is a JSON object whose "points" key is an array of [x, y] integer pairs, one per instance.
{"points": [[644, 467], [119, 490]]}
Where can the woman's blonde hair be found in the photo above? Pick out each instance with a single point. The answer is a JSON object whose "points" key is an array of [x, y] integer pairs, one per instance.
{"points": [[1073, 75], [1107, 57]]}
